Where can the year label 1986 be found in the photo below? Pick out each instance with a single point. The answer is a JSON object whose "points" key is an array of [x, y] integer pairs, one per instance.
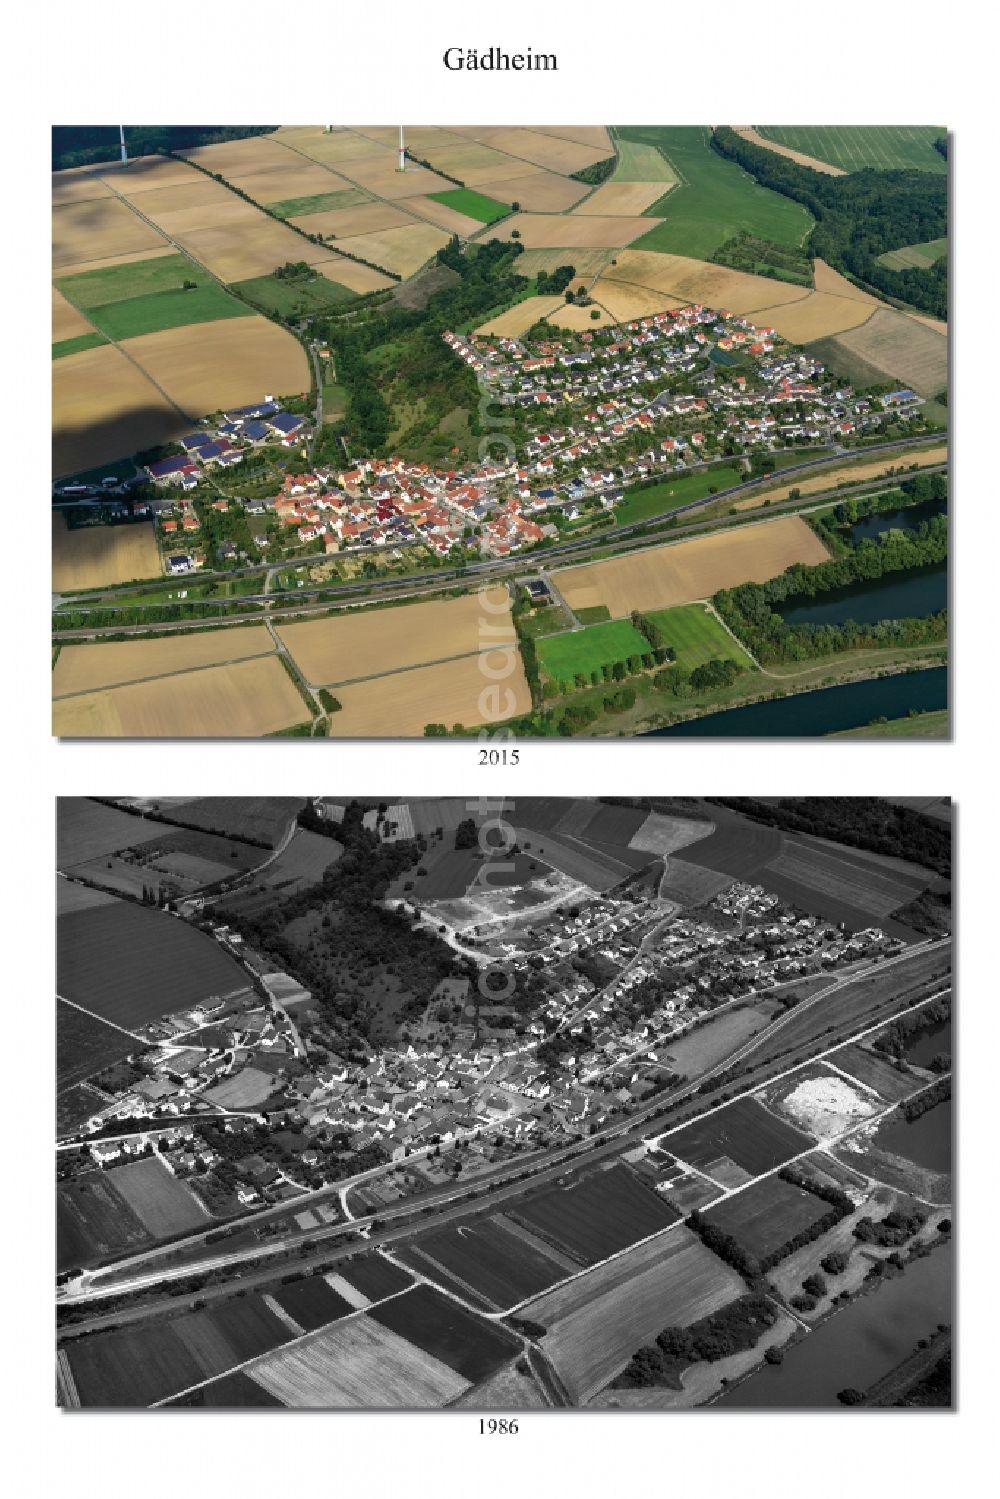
{"points": [[498, 1426]]}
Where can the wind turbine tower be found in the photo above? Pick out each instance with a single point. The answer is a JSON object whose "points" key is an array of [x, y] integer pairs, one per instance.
{"points": [[402, 151], [121, 135]]}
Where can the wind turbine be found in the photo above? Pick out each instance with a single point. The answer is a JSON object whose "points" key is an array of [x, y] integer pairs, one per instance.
{"points": [[121, 136], [402, 151]]}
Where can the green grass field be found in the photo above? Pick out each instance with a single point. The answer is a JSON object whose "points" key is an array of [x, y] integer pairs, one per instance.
{"points": [[77, 345], [293, 297], [853, 147], [563, 657], [696, 636], [294, 208], [919, 256], [639, 162], [660, 499], [713, 200], [138, 278], [167, 309], [474, 205], [921, 726]]}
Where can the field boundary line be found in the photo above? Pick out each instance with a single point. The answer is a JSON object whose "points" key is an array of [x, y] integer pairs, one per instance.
{"points": [[61, 998], [184, 671]]}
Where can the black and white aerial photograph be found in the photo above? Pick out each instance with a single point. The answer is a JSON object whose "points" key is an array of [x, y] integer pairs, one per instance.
{"points": [[631, 1104]]}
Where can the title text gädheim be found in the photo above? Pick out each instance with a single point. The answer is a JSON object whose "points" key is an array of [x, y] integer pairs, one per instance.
{"points": [[493, 60]]}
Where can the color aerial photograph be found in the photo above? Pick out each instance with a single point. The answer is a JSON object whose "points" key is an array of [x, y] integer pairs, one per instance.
{"points": [[616, 1103], [396, 431]]}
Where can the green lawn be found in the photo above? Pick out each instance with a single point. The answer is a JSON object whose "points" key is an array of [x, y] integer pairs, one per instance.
{"points": [[77, 345], [853, 147], [639, 162], [289, 298], [660, 499], [562, 657], [713, 200], [138, 278], [696, 635], [167, 309], [294, 208], [921, 256], [595, 615], [474, 205]]}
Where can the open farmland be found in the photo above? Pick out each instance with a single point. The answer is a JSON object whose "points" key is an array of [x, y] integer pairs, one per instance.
{"points": [[736, 846], [348, 273], [85, 1045], [688, 570], [689, 884], [851, 473], [379, 176], [597, 1321], [552, 153], [684, 279], [402, 250], [348, 647], [67, 321], [578, 653], [742, 1131], [244, 1090], [96, 229], [93, 1222], [311, 1302], [621, 197], [234, 251], [261, 819], [921, 256], [623, 302], [302, 864], [361, 218], [751, 134], [767, 1215], [538, 192], [374, 1276], [542, 231], [874, 1072], [87, 829], [209, 366], [454, 692], [696, 635], [489, 1257], [131, 964], [474, 205], [97, 556], [816, 315], [595, 1215], [865, 887], [638, 162], [711, 1042], [357, 1364], [103, 406], [330, 146], [470, 1346], [660, 834], [163, 1205], [131, 1367], [76, 184], [81, 668], [903, 348], [439, 213], [853, 147], [519, 318], [245, 700]]}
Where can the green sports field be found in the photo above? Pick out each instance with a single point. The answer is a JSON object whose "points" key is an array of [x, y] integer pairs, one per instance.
{"points": [[474, 205], [580, 652], [660, 499], [713, 199], [293, 208], [919, 256], [854, 147], [167, 309], [696, 636], [77, 345]]}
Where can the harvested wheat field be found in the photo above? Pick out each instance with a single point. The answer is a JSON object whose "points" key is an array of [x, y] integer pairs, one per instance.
{"points": [[517, 319], [825, 278], [581, 135], [624, 197], [235, 252], [96, 229], [297, 179], [541, 231], [67, 322], [930, 322], [334, 146], [95, 556], [552, 152], [543, 192], [243, 701], [689, 570], [358, 278], [103, 408], [907, 350], [256, 153], [419, 138], [829, 478], [82, 668], [689, 280], [363, 219], [472, 162], [817, 315], [197, 203], [76, 185], [78, 267], [206, 367], [486, 688], [585, 262], [355, 645], [403, 250], [625, 302], [145, 173], [380, 177], [579, 319], [444, 217], [750, 133], [357, 1364]]}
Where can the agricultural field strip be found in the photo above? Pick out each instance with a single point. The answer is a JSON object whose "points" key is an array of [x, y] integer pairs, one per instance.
{"points": [[61, 999], [177, 671], [176, 1272]]}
